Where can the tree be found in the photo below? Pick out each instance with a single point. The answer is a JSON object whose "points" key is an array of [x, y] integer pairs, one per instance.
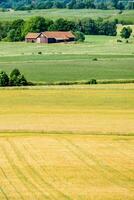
{"points": [[22, 80], [120, 6], [89, 26], [17, 79], [80, 36], [4, 79], [62, 25], [15, 72], [58, 4], [17, 25], [11, 35], [35, 24], [126, 32]]}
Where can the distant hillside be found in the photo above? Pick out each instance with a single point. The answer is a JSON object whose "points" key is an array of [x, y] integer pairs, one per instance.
{"points": [[70, 4]]}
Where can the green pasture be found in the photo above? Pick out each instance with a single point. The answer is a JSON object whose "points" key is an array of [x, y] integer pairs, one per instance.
{"points": [[127, 15], [70, 62]]}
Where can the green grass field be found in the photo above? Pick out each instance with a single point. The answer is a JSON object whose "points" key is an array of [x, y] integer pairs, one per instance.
{"points": [[70, 62], [67, 143], [127, 15]]}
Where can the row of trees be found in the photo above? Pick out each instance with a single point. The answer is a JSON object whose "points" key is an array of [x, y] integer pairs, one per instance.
{"points": [[70, 4], [17, 30], [15, 79]]}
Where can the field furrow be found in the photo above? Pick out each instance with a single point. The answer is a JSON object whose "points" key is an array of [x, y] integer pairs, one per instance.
{"points": [[66, 167]]}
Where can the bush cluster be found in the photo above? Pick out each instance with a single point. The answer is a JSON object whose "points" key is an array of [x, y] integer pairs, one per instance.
{"points": [[15, 79]]}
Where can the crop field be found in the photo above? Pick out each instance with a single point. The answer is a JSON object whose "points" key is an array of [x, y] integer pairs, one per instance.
{"points": [[67, 167], [67, 143], [70, 62], [81, 109], [127, 15]]}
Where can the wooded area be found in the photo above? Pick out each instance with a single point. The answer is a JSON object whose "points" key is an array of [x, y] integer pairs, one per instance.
{"points": [[70, 4]]}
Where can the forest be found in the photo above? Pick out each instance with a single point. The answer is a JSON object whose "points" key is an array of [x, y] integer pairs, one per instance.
{"points": [[69, 4]]}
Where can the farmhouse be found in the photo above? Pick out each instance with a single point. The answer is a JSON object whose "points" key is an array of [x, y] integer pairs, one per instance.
{"points": [[32, 37], [50, 37]]}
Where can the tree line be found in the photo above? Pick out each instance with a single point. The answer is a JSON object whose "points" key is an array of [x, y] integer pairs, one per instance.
{"points": [[17, 30], [70, 4]]}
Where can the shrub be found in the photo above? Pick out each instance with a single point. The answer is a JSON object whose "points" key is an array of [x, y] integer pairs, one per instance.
{"points": [[95, 59], [79, 36], [4, 79], [119, 40], [126, 32], [93, 81]]}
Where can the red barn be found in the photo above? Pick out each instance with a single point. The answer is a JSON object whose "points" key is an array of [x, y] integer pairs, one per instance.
{"points": [[50, 37]]}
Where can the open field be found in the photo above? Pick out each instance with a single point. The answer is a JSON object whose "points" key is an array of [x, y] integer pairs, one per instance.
{"points": [[70, 62], [127, 15], [59, 167], [91, 109], [67, 142]]}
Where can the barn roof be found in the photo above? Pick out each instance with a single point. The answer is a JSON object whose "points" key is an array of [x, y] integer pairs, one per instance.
{"points": [[58, 34], [32, 35]]}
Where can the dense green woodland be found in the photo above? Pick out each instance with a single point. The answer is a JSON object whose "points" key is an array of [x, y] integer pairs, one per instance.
{"points": [[17, 30], [70, 4]]}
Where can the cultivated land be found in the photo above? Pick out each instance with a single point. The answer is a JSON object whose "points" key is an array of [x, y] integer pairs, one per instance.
{"points": [[70, 62], [68, 142], [83, 145], [126, 16], [62, 167], [82, 109]]}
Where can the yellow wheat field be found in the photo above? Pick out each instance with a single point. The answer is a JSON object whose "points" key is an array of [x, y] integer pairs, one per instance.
{"points": [[94, 109], [67, 143], [74, 167]]}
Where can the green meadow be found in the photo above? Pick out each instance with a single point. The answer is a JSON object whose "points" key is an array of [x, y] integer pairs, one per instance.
{"points": [[127, 15], [70, 62]]}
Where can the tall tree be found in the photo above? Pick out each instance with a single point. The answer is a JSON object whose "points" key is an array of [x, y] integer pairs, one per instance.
{"points": [[126, 32]]}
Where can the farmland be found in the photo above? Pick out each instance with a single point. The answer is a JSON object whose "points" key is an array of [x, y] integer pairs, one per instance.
{"points": [[70, 62], [67, 167], [127, 15], [67, 143], [82, 109]]}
